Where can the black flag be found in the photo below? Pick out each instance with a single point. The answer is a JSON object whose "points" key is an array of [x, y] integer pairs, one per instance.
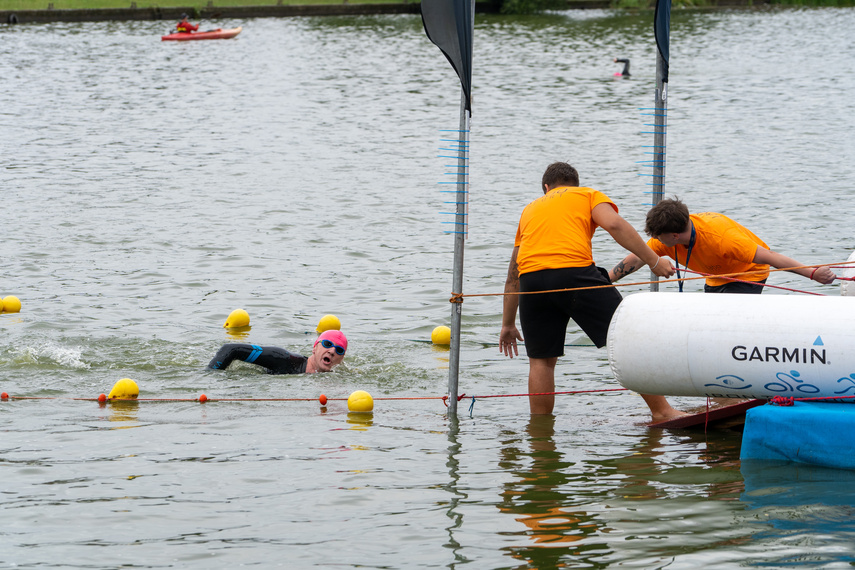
{"points": [[449, 24], [662, 31]]}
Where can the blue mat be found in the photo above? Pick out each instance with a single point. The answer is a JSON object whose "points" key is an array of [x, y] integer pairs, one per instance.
{"points": [[807, 432]]}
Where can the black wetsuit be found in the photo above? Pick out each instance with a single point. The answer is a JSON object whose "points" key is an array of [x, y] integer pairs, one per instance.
{"points": [[276, 360]]}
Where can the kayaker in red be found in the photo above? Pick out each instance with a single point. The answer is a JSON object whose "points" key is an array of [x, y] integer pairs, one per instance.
{"points": [[185, 26]]}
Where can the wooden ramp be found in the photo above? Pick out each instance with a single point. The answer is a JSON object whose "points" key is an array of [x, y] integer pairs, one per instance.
{"points": [[727, 414]]}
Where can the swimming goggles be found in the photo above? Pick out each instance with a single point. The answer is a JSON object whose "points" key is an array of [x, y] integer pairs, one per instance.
{"points": [[326, 343]]}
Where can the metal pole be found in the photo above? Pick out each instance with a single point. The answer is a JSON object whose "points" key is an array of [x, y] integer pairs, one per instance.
{"points": [[461, 227], [661, 123]]}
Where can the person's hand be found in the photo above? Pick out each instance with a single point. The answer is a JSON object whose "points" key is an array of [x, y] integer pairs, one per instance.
{"points": [[508, 341], [824, 275], [663, 268]]}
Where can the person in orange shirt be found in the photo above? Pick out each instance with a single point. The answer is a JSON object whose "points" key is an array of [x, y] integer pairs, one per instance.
{"points": [[185, 26], [714, 244], [552, 250]]}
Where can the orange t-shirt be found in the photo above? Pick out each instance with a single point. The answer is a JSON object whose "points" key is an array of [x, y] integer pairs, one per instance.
{"points": [[721, 246], [555, 230]]}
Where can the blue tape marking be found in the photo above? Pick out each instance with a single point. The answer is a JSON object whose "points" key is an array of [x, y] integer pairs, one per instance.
{"points": [[256, 352], [471, 406]]}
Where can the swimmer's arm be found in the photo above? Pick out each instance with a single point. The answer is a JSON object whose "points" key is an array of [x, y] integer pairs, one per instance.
{"points": [[227, 354], [625, 235], [509, 334], [630, 264], [822, 274]]}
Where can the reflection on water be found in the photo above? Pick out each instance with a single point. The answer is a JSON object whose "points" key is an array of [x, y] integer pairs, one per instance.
{"points": [[452, 487], [360, 421], [150, 189], [643, 496], [123, 411], [537, 499], [238, 334], [793, 502]]}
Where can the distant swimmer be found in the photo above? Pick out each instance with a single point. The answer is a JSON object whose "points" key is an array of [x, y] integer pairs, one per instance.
{"points": [[625, 62], [327, 352]]}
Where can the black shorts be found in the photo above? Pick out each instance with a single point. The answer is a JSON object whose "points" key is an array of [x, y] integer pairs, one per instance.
{"points": [[544, 316], [736, 287]]}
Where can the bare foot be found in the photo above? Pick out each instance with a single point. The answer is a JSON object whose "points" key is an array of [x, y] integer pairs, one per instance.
{"points": [[660, 409], [669, 414]]}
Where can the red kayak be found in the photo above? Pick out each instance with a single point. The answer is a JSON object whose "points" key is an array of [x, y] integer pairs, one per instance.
{"points": [[218, 34]]}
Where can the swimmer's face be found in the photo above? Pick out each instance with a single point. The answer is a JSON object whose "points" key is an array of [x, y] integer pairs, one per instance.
{"points": [[325, 358]]}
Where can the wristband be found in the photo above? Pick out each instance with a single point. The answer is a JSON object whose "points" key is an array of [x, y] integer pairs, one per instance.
{"points": [[812, 272], [652, 267]]}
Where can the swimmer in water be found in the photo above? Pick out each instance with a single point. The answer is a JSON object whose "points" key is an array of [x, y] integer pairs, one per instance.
{"points": [[327, 352], [625, 62]]}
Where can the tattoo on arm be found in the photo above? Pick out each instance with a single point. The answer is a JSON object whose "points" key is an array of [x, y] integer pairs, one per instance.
{"points": [[622, 269], [512, 283]]}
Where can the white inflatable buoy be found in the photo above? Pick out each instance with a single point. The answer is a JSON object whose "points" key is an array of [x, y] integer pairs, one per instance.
{"points": [[847, 288], [734, 346]]}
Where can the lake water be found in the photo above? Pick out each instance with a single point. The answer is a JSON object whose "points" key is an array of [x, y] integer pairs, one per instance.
{"points": [[149, 188]]}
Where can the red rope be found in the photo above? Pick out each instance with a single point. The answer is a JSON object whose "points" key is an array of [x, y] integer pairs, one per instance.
{"points": [[203, 398], [786, 401], [707, 415], [781, 401]]}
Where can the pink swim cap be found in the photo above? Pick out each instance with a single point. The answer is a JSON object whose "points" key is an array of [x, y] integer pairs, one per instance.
{"points": [[337, 337]]}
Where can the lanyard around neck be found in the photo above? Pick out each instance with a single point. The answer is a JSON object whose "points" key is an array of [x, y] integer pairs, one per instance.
{"points": [[688, 255]]}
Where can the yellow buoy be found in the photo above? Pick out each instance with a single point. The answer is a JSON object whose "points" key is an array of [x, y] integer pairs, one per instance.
{"points": [[124, 389], [237, 318], [360, 401], [1, 305], [11, 304], [441, 335], [328, 323]]}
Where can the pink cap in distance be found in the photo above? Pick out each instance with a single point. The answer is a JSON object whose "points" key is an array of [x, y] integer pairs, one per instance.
{"points": [[337, 337]]}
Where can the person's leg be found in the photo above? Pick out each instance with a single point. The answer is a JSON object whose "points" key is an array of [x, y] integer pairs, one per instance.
{"points": [[660, 409], [541, 378], [593, 313]]}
